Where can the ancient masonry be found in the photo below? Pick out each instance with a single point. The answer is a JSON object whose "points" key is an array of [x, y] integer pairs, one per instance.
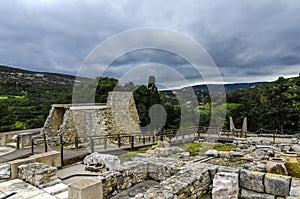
{"points": [[118, 116]]}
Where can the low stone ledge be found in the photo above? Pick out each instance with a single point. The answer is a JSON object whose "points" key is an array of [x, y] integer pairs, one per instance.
{"points": [[15, 163], [51, 158], [248, 194], [252, 180], [278, 185]]}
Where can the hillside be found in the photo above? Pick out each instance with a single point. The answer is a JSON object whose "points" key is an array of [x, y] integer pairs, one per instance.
{"points": [[26, 96]]}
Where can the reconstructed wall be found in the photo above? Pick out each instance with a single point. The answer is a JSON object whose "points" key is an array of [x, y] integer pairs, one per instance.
{"points": [[118, 116]]}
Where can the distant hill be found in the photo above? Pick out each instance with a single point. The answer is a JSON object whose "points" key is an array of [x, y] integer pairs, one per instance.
{"points": [[26, 96], [14, 81], [202, 90]]}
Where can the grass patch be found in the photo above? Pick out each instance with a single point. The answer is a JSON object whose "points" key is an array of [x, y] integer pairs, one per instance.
{"points": [[137, 151], [224, 147], [193, 148]]}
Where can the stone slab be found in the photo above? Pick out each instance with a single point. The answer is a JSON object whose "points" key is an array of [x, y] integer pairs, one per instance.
{"points": [[278, 185], [62, 195], [225, 186], [247, 194], [56, 189], [23, 190], [88, 188], [295, 187], [252, 180]]}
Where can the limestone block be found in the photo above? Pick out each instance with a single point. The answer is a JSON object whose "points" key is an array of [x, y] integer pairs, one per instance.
{"points": [[88, 188], [15, 163], [4, 171], [51, 158], [295, 187], [225, 186], [278, 185], [252, 180], [247, 194]]}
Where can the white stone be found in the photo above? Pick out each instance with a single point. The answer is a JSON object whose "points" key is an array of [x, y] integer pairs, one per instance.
{"points": [[225, 186], [295, 187], [212, 153], [111, 161], [4, 171], [56, 189]]}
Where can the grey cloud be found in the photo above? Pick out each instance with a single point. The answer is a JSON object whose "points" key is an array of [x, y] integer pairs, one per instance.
{"points": [[248, 40]]}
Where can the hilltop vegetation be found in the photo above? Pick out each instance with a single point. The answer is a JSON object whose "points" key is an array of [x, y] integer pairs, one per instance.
{"points": [[26, 98], [268, 106]]}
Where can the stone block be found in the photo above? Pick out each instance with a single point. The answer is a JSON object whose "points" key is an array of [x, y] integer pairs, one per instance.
{"points": [[37, 173], [225, 186], [295, 187], [4, 171], [88, 188], [247, 194], [15, 163], [56, 189], [51, 158], [278, 185], [252, 180]]}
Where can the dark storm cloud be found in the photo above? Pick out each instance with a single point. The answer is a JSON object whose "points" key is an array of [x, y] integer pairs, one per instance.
{"points": [[248, 40]]}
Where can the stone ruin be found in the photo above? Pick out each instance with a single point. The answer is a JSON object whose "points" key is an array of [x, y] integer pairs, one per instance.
{"points": [[178, 177], [118, 116]]}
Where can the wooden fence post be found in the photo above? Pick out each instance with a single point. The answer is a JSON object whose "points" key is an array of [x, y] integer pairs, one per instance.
{"points": [[45, 142], [92, 148], [32, 146], [76, 142], [119, 140], [132, 142], [61, 149], [105, 142]]}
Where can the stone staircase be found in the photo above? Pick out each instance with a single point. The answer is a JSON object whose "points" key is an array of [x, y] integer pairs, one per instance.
{"points": [[56, 188]]}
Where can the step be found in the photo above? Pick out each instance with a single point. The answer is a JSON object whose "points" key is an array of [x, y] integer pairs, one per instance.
{"points": [[62, 195], [49, 184], [56, 189]]}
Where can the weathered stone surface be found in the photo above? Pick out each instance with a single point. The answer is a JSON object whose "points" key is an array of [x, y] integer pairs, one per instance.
{"points": [[225, 186], [88, 188], [110, 161], [295, 187], [191, 182], [37, 173], [252, 180], [4, 171], [228, 169], [212, 153], [277, 184], [247, 194]]}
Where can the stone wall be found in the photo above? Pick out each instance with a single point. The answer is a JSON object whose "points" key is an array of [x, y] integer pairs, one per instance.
{"points": [[124, 112], [37, 173], [193, 179], [118, 116], [133, 172]]}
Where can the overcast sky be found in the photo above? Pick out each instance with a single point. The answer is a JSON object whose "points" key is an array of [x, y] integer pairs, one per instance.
{"points": [[249, 40]]}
